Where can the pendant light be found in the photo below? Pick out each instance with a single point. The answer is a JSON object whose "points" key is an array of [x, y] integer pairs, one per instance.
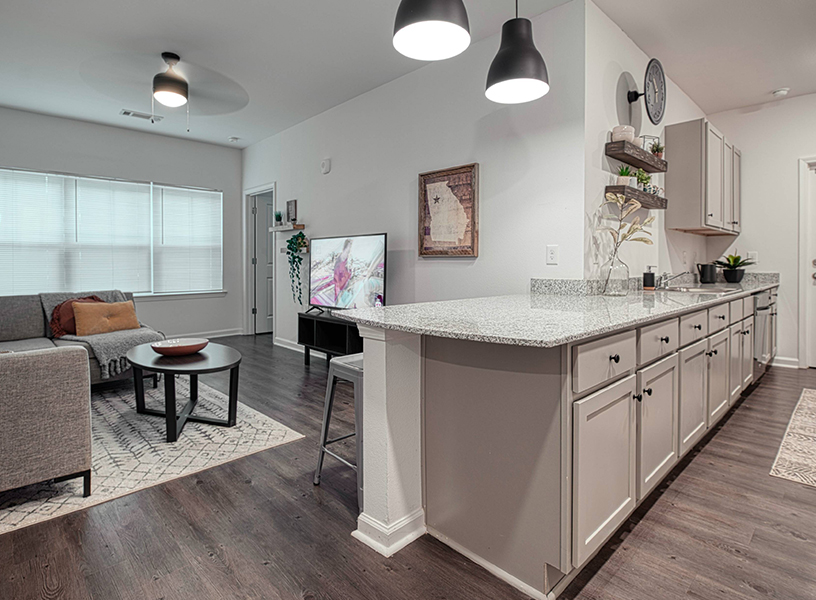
{"points": [[431, 29], [518, 73], [170, 88]]}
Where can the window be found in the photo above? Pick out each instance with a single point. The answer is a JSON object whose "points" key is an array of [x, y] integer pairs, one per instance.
{"points": [[63, 233]]}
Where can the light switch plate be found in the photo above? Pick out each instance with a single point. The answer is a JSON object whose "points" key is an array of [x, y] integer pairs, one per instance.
{"points": [[754, 256], [552, 255]]}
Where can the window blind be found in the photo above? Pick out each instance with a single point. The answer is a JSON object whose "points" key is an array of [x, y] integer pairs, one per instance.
{"points": [[65, 233]]}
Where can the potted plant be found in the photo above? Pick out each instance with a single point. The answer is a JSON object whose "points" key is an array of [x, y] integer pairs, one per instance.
{"points": [[732, 267], [643, 178], [624, 175], [657, 149], [615, 272], [278, 217], [293, 248]]}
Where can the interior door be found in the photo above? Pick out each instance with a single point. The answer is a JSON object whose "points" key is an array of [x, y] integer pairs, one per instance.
{"points": [[715, 172], [264, 261], [693, 371], [718, 366]]}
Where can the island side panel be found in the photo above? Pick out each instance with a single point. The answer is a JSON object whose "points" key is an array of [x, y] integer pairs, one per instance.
{"points": [[492, 427]]}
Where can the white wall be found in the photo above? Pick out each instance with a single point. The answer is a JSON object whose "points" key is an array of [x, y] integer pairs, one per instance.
{"points": [[531, 160], [44, 143], [773, 138], [614, 64]]}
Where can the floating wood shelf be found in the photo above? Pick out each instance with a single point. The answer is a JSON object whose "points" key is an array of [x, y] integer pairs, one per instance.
{"points": [[630, 154], [287, 227], [647, 200]]}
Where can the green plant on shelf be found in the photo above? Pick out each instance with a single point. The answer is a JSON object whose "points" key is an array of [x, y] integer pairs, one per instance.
{"points": [[643, 177], [278, 217], [293, 247], [733, 262], [624, 171], [657, 148]]}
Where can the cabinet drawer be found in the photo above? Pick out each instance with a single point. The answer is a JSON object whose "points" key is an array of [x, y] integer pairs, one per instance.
{"points": [[658, 340], [717, 318], [596, 362], [693, 327], [736, 311]]}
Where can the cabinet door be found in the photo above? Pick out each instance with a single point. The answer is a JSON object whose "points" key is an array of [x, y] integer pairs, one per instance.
{"points": [[735, 362], [774, 332], [657, 395], [728, 185], [604, 473], [718, 366], [747, 352], [736, 204], [692, 417], [715, 171]]}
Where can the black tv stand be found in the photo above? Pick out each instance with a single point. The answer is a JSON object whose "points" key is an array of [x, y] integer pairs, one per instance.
{"points": [[321, 332], [319, 310]]}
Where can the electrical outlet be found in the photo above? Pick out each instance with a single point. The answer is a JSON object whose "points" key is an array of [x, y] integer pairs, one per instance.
{"points": [[552, 255], [754, 256]]}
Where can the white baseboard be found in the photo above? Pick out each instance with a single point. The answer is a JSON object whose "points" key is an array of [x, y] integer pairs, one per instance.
{"points": [[784, 361], [289, 344], [390, 539]]}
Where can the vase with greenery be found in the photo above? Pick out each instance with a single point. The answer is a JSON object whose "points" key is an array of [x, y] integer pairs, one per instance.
{"points": [[293, 252], [624, 175], [278, 217], [615, 272], [733, 267], [658, 149], [643, 178]]}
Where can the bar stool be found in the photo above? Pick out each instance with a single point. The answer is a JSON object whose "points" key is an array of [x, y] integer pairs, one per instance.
{"points": [[348, 368]]}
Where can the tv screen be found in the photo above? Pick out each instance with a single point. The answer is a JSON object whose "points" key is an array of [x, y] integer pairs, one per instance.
{"points": [[347, 272]]}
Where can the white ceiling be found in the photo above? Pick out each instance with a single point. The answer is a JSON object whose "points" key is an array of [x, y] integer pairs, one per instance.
{"points": [[274, 63], [726, 53]]}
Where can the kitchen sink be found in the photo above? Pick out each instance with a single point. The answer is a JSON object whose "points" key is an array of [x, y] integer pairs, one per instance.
{"points": [[717, 291]]}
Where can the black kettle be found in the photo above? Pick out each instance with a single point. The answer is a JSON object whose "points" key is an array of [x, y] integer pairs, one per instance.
{"points": [[708, 273]]}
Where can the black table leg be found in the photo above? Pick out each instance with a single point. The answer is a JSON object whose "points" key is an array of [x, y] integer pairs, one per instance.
{"points": [[306, 357], [138, 383], [170, 407], [193, 388], [232, 418]]}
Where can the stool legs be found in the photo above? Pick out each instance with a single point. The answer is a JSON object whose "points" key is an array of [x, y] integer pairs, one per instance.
{"points": [[324, 433]]}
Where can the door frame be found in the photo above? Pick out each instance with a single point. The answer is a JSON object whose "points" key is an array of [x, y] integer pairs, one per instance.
{"points": [[249, 274], [805, 192]]}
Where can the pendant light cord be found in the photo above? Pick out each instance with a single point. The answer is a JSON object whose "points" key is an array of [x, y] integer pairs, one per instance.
{"points": [[517, 9]]}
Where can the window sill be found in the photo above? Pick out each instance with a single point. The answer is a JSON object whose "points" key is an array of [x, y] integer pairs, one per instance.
{"points": [[179, 296]]}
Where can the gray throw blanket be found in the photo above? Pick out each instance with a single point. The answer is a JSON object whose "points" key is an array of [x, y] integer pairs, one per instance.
{"points": [[109, 348]]}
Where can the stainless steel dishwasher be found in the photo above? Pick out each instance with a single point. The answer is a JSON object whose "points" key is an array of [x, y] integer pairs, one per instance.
{"points": [[764, 331]]}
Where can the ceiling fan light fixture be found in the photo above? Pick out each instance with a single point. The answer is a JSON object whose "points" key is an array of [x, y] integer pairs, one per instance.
{"points": [[431, 29], [518, 73], [170, 88]]}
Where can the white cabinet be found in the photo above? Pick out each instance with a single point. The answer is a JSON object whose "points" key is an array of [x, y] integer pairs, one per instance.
{"points": [[747, 352], [693, 327], [657, 396], [596, 362], [718, 368], [604, 469], [658, 340], [693, 400], [735, 362], [703, 180]]}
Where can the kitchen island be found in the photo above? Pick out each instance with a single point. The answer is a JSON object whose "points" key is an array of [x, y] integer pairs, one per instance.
{"points": [[523, 430]]}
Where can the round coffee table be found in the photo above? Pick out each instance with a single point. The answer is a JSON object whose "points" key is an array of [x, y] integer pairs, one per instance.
{"points": [[213, 358]]}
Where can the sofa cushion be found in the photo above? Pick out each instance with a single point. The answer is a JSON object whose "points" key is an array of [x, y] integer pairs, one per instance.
{"points": [[62, 319], [21, 317], [38, 343]]}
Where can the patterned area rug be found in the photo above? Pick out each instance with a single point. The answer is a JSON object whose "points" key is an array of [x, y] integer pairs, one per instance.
{"points": [[796, 459], [130, 451]]}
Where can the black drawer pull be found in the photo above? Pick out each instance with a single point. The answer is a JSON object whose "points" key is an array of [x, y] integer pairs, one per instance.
{"points": [[721, 317], [712, 353], [697, 327], [665, 339], [746, 333], [638, 397], [648, 391], [615, 358]]}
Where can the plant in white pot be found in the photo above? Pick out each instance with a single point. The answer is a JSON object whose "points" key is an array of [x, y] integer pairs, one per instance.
{"points": [[624, 175], [615, 272], [733, 267]]}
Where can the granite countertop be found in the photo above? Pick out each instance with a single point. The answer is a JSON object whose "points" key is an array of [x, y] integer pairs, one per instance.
{"points": [[542, 320]]}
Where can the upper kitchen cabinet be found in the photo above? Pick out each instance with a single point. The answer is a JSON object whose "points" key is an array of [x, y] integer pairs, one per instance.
{"points": [[704, 180]]}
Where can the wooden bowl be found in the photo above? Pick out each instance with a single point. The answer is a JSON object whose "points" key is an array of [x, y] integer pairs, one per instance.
{"points": [[180, 347]]}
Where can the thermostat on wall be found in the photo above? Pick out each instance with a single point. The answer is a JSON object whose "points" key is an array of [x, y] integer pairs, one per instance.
{"points": [[325, 166]]}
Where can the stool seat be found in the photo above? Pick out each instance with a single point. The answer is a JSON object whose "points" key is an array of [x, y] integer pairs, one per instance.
{"points": [[347, 368]]}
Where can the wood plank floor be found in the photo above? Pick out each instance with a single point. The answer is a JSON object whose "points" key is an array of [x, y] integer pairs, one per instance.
{"points": [[258, 528]]}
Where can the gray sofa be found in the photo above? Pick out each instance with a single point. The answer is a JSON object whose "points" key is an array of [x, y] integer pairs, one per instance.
{"points": [[45, 408], [25, 326]]}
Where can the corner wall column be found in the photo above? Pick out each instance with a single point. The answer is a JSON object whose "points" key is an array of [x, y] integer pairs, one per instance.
{"points": [[393, 515]]}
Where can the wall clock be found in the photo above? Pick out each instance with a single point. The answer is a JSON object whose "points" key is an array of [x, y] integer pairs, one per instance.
{"points": [[654, 86]]}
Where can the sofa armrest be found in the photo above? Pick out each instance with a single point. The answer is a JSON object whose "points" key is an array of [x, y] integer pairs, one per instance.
{"points": [[44, 414]]}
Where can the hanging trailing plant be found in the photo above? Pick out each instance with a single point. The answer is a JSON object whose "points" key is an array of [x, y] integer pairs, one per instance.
{"points": [[293, 248]]}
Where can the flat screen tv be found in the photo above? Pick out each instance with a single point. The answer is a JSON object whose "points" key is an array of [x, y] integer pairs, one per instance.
{"points": [[347, 272]]}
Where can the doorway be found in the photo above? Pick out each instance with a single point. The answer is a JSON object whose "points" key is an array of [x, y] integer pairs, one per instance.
{"points": [[263, 261], [807, 262]]}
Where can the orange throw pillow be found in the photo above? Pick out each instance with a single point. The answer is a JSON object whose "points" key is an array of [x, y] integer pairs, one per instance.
{"points": [[93, 318], [62, 319]]}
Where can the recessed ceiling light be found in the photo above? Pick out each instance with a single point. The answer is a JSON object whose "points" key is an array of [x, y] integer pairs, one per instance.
{"points": [[780, 93], [233, 139]]}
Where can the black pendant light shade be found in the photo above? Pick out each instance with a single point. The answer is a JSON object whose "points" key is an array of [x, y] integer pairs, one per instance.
{"points": [[518, 73], [431, 29], [170, 88]]}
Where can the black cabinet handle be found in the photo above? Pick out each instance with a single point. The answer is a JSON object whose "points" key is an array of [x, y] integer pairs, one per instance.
{"points": [[615, 358], [713, 352], [709, 354], [697, 327], [648, 391], [721, 317], [746, 333], [665, 339], [638, 397]]}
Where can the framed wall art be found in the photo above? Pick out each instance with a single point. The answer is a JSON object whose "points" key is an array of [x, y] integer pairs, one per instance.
{"points": [[449, 212]]}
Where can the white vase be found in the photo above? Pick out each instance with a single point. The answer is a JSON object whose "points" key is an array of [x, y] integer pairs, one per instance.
{"points": [[623, 133]]}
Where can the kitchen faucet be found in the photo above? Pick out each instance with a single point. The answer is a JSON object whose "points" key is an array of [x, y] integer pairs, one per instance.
{"points": [[664, 279]]}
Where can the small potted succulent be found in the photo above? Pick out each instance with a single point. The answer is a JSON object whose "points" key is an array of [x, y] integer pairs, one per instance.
{"points": [[733, 267], [624, 175], [278, 217], [643, 178], [657, 149]]}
